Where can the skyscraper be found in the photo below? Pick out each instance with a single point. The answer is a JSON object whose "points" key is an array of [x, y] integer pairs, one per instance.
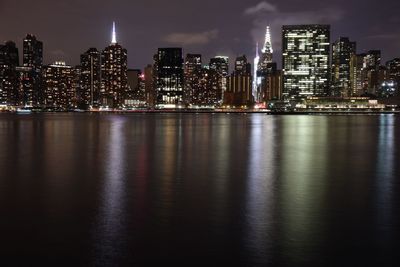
{"points": [[393, 67], [9, 61], [114, 67], [149, 85], [31, 73], [220, 64], [169, 77], [357, 74], [372, 67], [372, 59], [267, 51], [242, 66], [209, 88], [137, 93], [268, 76], [256, 78], [33, 52], [59, 89], [193, 73], [90, 78], [239, 90], [306, 50], [342, 52]]}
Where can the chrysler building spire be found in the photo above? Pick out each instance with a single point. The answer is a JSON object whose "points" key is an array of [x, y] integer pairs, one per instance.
{"points": [[268, 44]]}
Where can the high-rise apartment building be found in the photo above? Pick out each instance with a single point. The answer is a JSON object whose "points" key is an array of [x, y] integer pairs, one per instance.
{"points": [[59, 86], [193, 73], [31, 93], [9, 61], [220, 66], [90, 79]]}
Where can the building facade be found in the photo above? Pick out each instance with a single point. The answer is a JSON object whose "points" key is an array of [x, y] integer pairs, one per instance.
{"points": [[306, 53], [169, 77], [193, 74], [59, 86], [9, 77], [342, 52], [149, 85], [90, 79], [220, 66], [137, 93], [239, 91], [357, 74], [31, 93]]}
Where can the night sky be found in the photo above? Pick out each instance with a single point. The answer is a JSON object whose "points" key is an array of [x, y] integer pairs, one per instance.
{"points": [[209, 27]]}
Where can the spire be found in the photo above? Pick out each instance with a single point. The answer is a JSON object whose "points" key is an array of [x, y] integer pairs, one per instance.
{"points": [[255, 73], [268, 44], [114, 35], [257, 55]]}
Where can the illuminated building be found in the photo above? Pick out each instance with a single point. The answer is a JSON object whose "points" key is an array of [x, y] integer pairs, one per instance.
{"points": [[267, 75], [242, 66], [239, 88], [31, 73], [274, 85], [9, 61], [28, 93], [357, 74], [372, 59], [33, 52], [202, 83], [267, 51], [388, 88], [114, 86], [220, 64], [59, 86], [193, 73], [393, 67], [208, 93], [169, 78], [256, 78], [149, 85], [342, 52], [136, 84], [306, 50], [90, 78], [372, 71]]}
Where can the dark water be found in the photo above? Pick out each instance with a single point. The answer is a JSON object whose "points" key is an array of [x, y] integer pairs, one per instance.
{"points": [[250, 190]]}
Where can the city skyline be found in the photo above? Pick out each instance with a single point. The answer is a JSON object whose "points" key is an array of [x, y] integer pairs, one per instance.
{"points": [[101, 79], [236, 32]]}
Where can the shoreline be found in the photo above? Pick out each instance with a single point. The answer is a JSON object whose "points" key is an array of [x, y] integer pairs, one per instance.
{"points": [[303, 112]]}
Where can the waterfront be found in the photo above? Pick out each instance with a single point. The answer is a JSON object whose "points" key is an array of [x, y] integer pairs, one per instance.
{"points": [[248, 189]]}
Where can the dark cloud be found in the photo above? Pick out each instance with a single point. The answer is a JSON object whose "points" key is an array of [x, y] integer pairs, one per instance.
{"points": [[261, 7], [185, 39]]}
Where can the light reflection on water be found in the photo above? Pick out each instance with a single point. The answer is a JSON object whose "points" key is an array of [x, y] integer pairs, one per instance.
{"points": [[240, 190], [260, 186], [111, 222]]}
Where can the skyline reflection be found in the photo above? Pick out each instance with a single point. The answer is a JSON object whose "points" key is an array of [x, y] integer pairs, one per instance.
{"points": [[237, 189]]}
